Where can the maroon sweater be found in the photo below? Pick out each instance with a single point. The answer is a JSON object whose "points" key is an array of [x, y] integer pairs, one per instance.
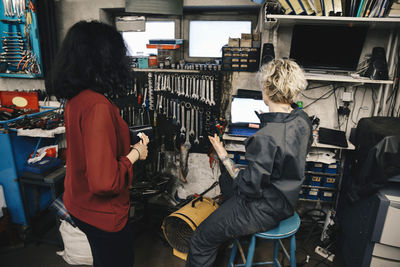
{"points": [[98, 171]]}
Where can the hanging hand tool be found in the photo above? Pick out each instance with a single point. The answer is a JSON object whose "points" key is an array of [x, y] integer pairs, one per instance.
{"points": [[183, 128], [202, 90], [191, 131], [187, 86], [178, 117], [196, 140], [212, 102]]}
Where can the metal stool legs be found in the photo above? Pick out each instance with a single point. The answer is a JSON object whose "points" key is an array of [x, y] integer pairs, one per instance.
{"points": [[277, 245]]}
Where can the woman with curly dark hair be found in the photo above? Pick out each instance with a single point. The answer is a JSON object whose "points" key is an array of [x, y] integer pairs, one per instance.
{"points": [[91, 66]]}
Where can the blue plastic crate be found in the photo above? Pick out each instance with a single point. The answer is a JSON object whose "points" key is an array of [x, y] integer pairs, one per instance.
{"points": [[326, 195], [313, 194], [309, 165], [317, 167], [315, 180], [331, 168], [242, 160], [303, 192], [329, 182], [306, 180], [143, 62]]}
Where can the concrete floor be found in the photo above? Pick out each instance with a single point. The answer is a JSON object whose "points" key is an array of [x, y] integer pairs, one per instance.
{"points": [[150, 250]]}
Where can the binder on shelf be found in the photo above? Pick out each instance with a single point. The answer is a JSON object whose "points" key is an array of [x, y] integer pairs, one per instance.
{"points": [[368, 8], [328, 7], [354, 8], [375, 9], [344, 8], [285, 5], [360, 7], [393, 9], [318, 7], [306, 7], [337, 7], [312, 5], [295, 4], [384, 6]]}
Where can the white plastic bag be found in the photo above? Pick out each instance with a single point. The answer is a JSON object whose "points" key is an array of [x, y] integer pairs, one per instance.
{"points": [[2, 201], [76, 246]]}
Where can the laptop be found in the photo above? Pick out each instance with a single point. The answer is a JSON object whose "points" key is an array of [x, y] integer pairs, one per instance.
{"points": [[244, 121], [332, 137]]}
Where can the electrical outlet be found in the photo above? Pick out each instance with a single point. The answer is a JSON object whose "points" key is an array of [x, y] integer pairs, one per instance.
{"points": [[324, 253], [347, 96]]}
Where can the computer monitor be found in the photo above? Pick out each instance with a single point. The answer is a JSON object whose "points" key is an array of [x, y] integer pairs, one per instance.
{"points": [[243, 110], [322, 47]]}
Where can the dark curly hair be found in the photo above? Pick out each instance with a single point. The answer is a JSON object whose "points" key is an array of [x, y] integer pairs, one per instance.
{"points": [[92, 56]]}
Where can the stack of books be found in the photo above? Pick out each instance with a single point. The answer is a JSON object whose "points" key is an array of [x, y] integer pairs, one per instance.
{"points": [[349, 8]]}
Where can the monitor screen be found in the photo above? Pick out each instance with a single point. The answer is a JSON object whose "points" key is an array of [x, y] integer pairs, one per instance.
{"points": [[243, 110], [327, 47]]}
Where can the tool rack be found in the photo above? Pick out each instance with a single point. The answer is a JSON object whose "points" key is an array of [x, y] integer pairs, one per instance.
{"points": [[20, 47]]}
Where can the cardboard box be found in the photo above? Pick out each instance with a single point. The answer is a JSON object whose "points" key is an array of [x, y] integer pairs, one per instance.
{"points": [[246, 36], [246, 43], [234, 42]]}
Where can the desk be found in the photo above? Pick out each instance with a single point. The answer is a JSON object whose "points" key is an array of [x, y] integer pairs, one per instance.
{"points": [[234, 144], [54, 181]]}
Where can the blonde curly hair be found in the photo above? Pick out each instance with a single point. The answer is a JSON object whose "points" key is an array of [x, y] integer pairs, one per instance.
{"points": [[282, 80]]}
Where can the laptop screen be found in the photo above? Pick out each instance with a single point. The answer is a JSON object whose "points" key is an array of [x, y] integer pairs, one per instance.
{"points": [[243, 110]]}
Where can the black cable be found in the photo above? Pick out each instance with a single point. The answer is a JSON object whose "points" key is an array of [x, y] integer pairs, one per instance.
{"points": [[316, 87], [373, 100], [347, 123], [321, 97], [362, 103], [354, 105], [337, 108]]}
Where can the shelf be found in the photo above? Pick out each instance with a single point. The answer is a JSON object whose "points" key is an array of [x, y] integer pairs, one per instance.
{"points": [[317, 200], [319, 187], [322, 173], [169, 70], [316, 144], [343, 78], [163, 46], [289, 20], [21, 75]]}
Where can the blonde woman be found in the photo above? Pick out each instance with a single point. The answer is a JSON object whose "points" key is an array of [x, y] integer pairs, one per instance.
{"points": [[266, 191]]}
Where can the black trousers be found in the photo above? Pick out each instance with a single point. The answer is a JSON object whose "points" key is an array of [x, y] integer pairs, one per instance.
{"points": [[109, 249], [237, 216]]}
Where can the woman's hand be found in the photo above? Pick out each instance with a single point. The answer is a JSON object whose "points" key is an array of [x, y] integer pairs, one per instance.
{"points": [[218, 146], [139, 150]]}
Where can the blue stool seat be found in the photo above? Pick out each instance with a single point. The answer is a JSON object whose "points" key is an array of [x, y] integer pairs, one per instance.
{"points": [[286, 228]]}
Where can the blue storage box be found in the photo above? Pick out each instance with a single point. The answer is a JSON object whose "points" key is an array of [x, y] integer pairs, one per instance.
{"points": [[332, 168], [143, 62], [312, 194], [44, 166], [303, 192], [326, 195], [315, 180], [241, 159], [329, 182], [307, 180], [317, 167], [309, 165]]}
